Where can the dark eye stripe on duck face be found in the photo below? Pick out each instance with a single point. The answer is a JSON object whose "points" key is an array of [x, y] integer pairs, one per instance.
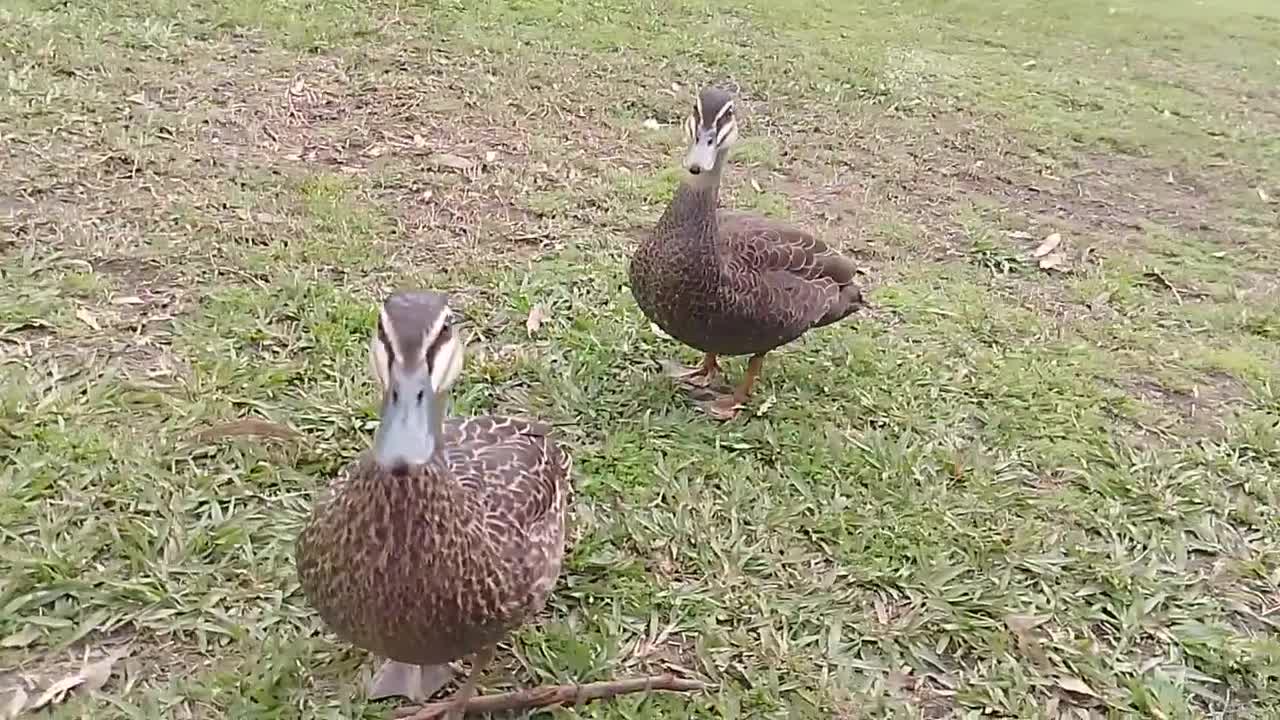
{"points": [[412, 326], [705, 118]]}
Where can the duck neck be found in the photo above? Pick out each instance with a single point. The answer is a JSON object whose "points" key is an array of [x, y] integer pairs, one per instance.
{"points": [[691, 217]]}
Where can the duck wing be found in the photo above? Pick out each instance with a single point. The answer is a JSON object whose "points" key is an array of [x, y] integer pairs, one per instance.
{"points": [[804, 282], [519, 472]]}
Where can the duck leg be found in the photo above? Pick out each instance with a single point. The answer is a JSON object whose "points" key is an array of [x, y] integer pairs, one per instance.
{"points": [[479, 662], [700, 376], [726, 407], [416, 682]]}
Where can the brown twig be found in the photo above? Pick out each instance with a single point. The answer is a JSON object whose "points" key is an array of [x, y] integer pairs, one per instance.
{"points": [[555, 695]]}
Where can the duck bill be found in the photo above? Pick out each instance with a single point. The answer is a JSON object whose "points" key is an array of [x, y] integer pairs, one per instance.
{"points": [[701, 157], [410, 431]]}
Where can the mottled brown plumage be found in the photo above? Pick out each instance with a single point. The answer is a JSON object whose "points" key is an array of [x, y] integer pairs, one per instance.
{"points": [[729, 282], [424, 559]]}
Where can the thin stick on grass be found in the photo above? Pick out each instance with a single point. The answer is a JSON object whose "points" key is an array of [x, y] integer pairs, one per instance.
{"points": [[548, 695]]}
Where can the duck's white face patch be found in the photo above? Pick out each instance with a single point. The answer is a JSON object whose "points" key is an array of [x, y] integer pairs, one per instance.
{"points": [[439, 353], [445, 361]]}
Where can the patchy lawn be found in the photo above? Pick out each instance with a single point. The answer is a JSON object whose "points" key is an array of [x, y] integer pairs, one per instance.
{"points": [[1034, 492]]}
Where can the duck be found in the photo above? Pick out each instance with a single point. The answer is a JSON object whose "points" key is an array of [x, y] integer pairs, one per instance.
{"points": [[728, 282], [447, 533]]}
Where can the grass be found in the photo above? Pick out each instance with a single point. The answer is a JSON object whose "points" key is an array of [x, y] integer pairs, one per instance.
{"points": [[1005, 490]]}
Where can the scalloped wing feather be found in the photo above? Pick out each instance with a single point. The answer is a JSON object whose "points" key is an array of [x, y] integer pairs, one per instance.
{"points": [[769, 244], [520, 472], [806, 282]]}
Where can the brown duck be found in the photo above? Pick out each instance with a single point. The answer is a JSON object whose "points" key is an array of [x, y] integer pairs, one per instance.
{"points": [[449, 532], [732, 283]]}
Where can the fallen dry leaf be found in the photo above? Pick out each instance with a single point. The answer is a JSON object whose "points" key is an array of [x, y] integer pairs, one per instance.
{"points": [[22, 638], [91, 676], [755, 185], [1075, 685], [1054, 261], [453, 162], [1019, 234], [97, 674], [767, 405], [88, 318], [1029, 642], [16, 704], [651, 124], [1050, 244], [57, 692], [1024, 623], [490, 157], [1262, 195], [534, 321]]}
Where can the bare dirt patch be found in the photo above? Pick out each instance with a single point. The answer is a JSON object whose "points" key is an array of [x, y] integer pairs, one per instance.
{"points": [[955, 161], [1200, 410]]}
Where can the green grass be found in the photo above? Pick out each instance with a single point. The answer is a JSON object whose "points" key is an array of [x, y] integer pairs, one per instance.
{"points": [[1004, 490]]}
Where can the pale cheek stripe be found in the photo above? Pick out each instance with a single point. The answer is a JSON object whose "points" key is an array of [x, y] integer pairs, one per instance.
{"points": [[432, 333], [728, 106], [387, 339], [725, 131]]}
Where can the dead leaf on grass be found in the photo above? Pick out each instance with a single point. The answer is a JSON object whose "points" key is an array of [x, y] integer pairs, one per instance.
{"points": [[1263, 196], [536, 315], [1024, 623], [452, 162], [767, 405], [22, 638], [90, 677], [88, 318], [1054, 261], [651, 124], [1075, 685], [1050, 244], [16, 704], [1029, 641]]}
